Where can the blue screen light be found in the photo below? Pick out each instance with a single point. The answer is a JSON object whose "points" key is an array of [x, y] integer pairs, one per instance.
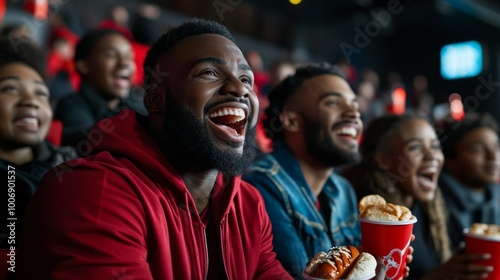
{"points": [[461, 60]]}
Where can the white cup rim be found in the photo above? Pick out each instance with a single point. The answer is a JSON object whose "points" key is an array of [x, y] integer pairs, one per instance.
{"points": [[482, 237], [392, 223]]}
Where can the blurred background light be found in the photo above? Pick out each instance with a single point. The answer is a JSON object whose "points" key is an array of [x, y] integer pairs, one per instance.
{"points": [[461, 60]]}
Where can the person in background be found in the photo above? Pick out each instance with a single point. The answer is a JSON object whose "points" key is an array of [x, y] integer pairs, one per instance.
{"points": [[118, 19], [402, 160], [280, 69], [104, 60], [261, 74], [261, 77], [25, 118], [62, 76], [421, 100], [314, 122], [145, 28], [366, 99], [469, 181], [160, 197]]}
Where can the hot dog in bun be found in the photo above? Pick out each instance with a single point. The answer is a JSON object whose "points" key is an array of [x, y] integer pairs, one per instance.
{"points": [[341, 262]]}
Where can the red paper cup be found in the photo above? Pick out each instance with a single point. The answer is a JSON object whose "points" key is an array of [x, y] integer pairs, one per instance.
{"points": [[388, 241], [480, 244]]}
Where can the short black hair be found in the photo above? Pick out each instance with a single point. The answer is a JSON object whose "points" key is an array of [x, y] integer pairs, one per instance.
{"points": [[89, 40], [171, 37], [288, 87], [23, 51], [452, 131]]}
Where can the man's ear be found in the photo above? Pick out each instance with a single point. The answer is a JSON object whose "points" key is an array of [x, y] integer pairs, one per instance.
{"points": [[290, 121], [153, 100], [82, 67], [382, 160]]}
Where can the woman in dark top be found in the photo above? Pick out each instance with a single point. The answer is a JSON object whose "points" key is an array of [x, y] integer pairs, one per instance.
{"points": [[402, 160], [25, 118]]}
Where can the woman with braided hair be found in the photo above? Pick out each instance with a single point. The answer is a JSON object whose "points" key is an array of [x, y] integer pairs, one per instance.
{"points": [[402, 160]]}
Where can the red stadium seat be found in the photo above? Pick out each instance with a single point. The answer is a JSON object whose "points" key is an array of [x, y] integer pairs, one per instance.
{"points": [[54, 135]]}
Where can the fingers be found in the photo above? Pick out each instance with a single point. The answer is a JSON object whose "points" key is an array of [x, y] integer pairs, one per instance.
{"points": [[464, 266], [473, 275], [409, 256], [410, 250], [477, 257], [407, 272], [476, 270]]}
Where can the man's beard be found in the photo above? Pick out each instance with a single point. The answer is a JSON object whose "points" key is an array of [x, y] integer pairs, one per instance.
{"points": [[322, 147], [187, 140]]}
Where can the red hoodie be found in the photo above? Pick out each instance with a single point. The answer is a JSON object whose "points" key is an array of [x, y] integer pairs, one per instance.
{"points": [[125, 213]]}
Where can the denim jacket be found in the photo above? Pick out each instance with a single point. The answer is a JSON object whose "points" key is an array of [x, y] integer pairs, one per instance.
{"points": [[300, 230]]}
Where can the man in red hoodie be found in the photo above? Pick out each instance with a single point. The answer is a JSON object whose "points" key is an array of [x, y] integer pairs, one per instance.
{"points": [[160, 197]]}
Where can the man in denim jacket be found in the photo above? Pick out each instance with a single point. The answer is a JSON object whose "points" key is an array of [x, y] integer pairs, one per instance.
{"points": [[315, 124]]}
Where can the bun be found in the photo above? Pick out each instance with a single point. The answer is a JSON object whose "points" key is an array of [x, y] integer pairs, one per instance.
{"points": [[342, 262], [364, 267]]}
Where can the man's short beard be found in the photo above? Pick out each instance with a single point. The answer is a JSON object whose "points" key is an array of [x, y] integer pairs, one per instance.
{"points": [[187, 140], [322, 147]]}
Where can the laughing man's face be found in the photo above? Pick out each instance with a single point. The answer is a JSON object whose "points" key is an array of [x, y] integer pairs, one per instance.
{"points": [[211, 109]]}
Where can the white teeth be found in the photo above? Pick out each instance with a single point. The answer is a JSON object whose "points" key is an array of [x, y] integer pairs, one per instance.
{"points": [[27, 121], [351, 131], [225, 112], [429, 171]]}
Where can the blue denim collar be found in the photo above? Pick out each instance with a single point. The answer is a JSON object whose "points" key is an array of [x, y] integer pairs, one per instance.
{"points": [[291, 165]]}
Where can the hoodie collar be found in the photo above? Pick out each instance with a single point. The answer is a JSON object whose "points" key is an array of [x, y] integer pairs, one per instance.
{"points": [[291, 165], [125, 137]]}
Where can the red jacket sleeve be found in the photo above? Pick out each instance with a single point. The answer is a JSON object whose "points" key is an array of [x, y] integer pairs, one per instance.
{"points": [[89, 225]]}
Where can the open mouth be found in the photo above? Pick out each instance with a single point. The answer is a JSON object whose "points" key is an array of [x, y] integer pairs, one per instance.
{"points": [[229, 119], [28, 123], [347, 131], [427, 178], [122, 79]]}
